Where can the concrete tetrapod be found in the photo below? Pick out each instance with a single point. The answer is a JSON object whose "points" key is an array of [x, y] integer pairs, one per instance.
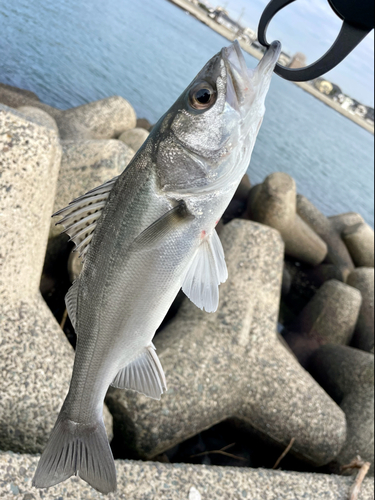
{"points": [[329, 318], [104, 119], [359, 240], [156, 481], [38, 115], [330, 231], [85, 164], [231, 364], [274, 203], [363, 279], [134, 138], [347, 374], [15, 98], [36, 357], [343, 221]]}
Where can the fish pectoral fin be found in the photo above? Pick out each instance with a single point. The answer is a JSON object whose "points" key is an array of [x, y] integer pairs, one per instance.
{"points": [[159, 229], [81, 216], [71, 302], [144, 375], [205, 274]]}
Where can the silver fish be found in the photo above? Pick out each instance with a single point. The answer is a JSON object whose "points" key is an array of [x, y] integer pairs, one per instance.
{"points": [[143, 236]]}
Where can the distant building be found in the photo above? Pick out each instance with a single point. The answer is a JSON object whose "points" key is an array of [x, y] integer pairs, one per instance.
{"points": [[248, 35], [370, 116], [328, 88], [324, 86], [298, 61], [258, 46], [203, 4], [221, 16], [285, 59], [361, 110], [345, 101]]}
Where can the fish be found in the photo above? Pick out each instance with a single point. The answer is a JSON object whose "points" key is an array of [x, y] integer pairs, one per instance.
{"points": [[143, 236]]}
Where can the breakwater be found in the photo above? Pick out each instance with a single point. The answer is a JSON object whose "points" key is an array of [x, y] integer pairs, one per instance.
{"points": [[201, 16]]}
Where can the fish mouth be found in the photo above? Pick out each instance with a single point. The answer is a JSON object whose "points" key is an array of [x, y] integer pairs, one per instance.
{"points": [[269, 61], [240, 79], [237, 75]]}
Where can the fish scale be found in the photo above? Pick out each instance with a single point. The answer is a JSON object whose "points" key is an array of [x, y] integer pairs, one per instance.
{"points": [[153, 234]]}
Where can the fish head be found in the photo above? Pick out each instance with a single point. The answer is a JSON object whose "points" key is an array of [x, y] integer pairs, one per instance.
{"points": [[207, 137]]}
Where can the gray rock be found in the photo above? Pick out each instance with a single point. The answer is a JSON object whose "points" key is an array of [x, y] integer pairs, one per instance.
{"points": [[144, 123], [39, 116], [327, 229], [331, 316], [30, 161], [343, 221], [134, 138], [274, 203], [15, 97], [359, 240], [231, 363], [104, 119], [363, 279], [84, 166], [156, 481], [36, 356], [347, 374]]}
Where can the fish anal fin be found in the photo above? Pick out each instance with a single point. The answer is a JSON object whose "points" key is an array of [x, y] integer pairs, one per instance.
{"points": [[207, 270], [81, 216], [71, 302], [144, 375]]}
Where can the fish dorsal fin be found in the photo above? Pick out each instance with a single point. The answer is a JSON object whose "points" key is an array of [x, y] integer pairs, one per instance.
{"points": [[205, 274], [81, 216], [71, 302], [144, 375]]}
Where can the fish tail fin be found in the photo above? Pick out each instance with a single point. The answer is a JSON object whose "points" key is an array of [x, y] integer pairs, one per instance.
{"points": [[80, 449]]}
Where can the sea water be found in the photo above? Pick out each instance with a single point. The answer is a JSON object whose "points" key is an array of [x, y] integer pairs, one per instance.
{"points": [[148, 51]]}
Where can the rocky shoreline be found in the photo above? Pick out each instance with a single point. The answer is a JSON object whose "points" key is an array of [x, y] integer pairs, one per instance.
{"points": [[287, 361]]}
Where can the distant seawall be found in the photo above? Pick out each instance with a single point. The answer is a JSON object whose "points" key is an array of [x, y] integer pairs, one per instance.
{"points": [[229, 35]]}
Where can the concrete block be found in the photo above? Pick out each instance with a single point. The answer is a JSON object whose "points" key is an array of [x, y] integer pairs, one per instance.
{"points": [[274, 203], [359, 240], [156, 481], [231, 364], [330, 231], [36, 357], [134, 138], [104, 119], [347, 374], [363, 280]]}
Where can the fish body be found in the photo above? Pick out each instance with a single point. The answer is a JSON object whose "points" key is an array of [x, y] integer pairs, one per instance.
{"points": [[143, 236]]}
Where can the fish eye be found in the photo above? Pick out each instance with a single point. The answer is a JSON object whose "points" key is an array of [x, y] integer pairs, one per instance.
{"points": [[202, 96]]}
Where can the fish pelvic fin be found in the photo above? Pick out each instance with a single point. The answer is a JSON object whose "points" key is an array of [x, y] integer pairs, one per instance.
{"points": [[80, 449], [207, 270], [144, 375]]}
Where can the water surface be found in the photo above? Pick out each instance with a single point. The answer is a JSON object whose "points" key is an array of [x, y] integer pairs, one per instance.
{"points": [[71, 53]]}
